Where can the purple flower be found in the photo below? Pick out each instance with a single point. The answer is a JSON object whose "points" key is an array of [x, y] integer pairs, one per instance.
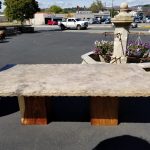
{"points": [[147, 45], [138, 48]]}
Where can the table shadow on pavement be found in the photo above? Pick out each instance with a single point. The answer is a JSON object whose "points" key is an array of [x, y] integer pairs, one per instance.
{"points": [[70, 109], [7, 66], [134, 109], [124, 142], [8, 105], [131, 110]]}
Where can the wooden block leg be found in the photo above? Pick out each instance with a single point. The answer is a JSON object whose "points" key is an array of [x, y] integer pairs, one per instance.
{"points": [[34, 110], [104, 110]]}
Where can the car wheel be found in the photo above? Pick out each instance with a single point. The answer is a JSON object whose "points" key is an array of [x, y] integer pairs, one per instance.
{"points": [[62, 27], [85, 28], [78, 27]]}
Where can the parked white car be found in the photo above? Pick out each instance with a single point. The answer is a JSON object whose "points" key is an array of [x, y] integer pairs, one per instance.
{"points": [[73, 23]]}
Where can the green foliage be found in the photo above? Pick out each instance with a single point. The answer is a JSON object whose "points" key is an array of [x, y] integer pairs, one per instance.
{"points": [[104, 49], [55, 9], [74, 9], [96, 6], [65, 10], [20, 9], [43, 10], [113, 12], [70, 10], [147, 5]]}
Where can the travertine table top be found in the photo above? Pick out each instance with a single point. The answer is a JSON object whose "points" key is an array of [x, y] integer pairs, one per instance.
{"points": [[75, 80]]}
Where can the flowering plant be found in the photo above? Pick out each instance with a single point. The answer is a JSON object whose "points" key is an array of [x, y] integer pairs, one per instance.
{"points": [[138, 49], [104, 49]]}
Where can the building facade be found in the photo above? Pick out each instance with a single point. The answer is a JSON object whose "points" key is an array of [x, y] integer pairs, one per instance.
{"points": [[42, 18]]}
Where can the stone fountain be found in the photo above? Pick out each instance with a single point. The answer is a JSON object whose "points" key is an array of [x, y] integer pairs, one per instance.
{"points": [[122, 23]]}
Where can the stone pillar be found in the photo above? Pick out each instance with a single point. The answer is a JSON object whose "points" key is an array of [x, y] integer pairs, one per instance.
{"points": [[120, 40], [122, 22]]}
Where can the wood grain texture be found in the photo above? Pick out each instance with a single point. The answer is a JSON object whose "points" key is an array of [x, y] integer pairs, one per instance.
{"points": [[34, 110], [104, 110]]}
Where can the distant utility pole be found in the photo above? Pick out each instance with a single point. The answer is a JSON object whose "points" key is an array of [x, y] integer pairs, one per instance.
{"points": [[78, 8], [104, 4]]}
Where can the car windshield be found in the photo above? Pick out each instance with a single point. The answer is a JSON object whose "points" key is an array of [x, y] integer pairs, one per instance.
{"points": [[64, 19], [78, 19]]}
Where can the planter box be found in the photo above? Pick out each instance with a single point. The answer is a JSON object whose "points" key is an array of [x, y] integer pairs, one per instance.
{"points": [[91, 58], [138, 60]]}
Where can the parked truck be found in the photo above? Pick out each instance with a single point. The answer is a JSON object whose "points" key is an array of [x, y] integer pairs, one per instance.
{"points": [[73, 23]]}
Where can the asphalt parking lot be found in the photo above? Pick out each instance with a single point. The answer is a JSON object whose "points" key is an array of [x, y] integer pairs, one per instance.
{"points": [[70, 130], [47, 47]]}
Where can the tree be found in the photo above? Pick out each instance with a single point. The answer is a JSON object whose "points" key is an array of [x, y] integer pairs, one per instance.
{"points": [[147, 5], [113, 12], [55, 9], [96, 6], [20, 9], [70, 10]]}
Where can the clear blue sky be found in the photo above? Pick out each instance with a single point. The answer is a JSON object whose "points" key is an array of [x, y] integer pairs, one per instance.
{"points": [[82, 3]]}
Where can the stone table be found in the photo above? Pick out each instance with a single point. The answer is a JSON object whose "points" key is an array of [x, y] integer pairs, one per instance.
{"points": [[35, 84]]}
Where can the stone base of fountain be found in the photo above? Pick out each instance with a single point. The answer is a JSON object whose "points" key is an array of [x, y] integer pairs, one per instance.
{"points": [[92, 58]]}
